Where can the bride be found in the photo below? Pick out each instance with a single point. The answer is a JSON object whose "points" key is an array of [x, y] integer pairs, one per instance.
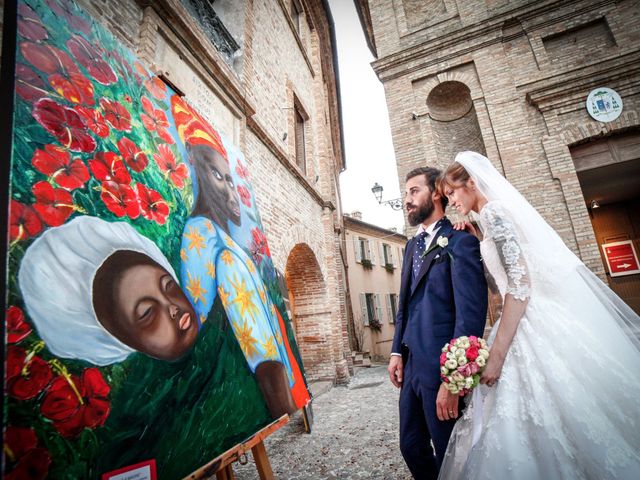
{"points": [[560, 395]]}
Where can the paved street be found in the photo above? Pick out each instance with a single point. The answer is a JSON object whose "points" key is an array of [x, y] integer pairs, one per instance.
{"points": [[355, 435]]}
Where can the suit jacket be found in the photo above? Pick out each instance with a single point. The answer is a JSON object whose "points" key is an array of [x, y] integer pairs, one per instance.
{"points": [[447, 299]]}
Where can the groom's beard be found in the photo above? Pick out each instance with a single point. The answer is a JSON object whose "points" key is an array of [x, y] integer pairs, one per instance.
{"points": [[421, 213]]}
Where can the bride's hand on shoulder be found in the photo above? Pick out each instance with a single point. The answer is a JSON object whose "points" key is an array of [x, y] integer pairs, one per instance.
{"points": [[493, 370], [466, 226]]}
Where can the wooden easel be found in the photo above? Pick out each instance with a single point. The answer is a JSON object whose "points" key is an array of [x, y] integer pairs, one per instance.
{"points": [[222, 465]]}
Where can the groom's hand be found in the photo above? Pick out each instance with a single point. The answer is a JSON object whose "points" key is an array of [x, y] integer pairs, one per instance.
{"points": [[395, 370], [446, 404]]}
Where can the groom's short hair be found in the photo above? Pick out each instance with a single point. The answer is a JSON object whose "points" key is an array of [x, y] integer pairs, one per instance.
{"points": [[431, 175]]}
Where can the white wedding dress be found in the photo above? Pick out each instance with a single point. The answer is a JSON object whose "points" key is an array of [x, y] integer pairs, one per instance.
{"points": [[567, 404]]}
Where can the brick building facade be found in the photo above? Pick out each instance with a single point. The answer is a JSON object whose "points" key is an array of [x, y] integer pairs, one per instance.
{"points": [[264, 73], [510, 79]]}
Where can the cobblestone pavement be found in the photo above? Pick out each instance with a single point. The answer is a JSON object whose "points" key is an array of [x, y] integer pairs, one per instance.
{"points": [[355, 435]]}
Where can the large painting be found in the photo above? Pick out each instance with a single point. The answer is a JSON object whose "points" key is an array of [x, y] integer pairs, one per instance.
{"points": [[144, 321]]}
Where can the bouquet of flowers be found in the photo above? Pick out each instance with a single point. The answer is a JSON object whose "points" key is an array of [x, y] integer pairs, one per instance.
{"points": [[461, 362]]}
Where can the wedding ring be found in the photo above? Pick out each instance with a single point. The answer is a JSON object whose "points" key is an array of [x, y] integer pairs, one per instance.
{"points": [[450, 412]]}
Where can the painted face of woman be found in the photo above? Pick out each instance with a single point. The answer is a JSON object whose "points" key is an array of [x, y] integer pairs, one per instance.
{"points": [[217, 188], [147, 310]]}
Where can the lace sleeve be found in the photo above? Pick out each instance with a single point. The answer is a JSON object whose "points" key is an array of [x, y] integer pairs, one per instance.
{"points": [[505, 236]]}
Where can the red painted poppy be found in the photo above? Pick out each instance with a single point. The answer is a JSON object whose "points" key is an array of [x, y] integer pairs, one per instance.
{"points": [[115, 113], [260, 241], [29, 24], [64, 10], [245, 196], [155, 120], [24, 222], [27, 376], [135, 158], [122, 65], [94, 120], [141, 69], [54, 205], [120, 199], [153, 206], [72, 408], [17, 328], [29, 85], [242, 171], [168, 164], [64, 75], [56, 163], [108, 166], [90, 58], [65, 124], [24, 459], [156, 87]]}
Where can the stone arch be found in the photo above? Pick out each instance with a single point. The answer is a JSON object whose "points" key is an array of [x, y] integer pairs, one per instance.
{"points": [[574, 133], [312, 317], [298, 234], [454, 121]]}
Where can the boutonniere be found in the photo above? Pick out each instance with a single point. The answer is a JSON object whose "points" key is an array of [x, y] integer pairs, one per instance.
{"points": [[441, 242]]}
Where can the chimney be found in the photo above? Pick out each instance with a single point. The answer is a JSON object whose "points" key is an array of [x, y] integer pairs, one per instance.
{"points": [[357, 215]]}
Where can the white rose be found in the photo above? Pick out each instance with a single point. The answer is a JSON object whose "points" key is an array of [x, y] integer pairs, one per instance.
{"points": [[462, 361], [454, 389], [451, 355], [451, 364], [457, 376], [461, 352], [468, 383], [464, 343], [445, 348], [481, 362], [442, 242], [483, 353], [444, 371]]}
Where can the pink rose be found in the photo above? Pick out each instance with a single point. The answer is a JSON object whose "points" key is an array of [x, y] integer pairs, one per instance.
{"points": [[472, 353], [473, 341], [443, 358], [474, 368], [465, 370]]}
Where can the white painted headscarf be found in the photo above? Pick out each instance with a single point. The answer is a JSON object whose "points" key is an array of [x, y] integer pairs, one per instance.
{"points": [[56, 280]]}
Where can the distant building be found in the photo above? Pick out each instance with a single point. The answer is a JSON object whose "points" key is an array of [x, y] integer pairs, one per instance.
{"points": [[512, 79], [374, 263]]}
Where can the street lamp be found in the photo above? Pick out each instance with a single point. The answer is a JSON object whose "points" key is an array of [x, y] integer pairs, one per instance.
{"points": [[395, 204]]}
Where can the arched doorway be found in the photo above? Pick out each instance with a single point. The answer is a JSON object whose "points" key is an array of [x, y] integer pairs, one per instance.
{"points": [[311, 317], [609, 173]]}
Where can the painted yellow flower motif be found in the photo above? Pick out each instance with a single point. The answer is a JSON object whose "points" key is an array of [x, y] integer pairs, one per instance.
{"points": [[243, 298], [224, 296], [209, 225], [183, 255], [263, 295], [196, 290], [246, 340], [211, 269], [226, 257], [273, 309], [229, 242], [251, 267], [195, 239], [279, 337], [203, 318], [269, 348]]}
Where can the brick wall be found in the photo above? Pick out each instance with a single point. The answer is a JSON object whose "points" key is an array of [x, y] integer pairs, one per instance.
{"points": [[529, 67], [299, 210]]}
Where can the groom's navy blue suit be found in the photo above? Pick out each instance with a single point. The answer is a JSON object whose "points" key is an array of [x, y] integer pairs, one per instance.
{"points": [[446, 299]]}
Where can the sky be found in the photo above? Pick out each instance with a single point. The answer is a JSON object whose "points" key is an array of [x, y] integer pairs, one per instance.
{"points": [[369, 152]]}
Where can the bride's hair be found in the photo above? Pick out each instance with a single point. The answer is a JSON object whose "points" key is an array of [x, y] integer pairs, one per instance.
{"points": [[455, 176]]}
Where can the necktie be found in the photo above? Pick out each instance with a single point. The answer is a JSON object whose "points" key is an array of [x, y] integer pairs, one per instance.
{"points": [[421, 243]]}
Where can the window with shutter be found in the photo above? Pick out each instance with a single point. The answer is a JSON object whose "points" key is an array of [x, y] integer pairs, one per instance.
{"points": [[378, 314], [393, 301], [357, 249], [364, 310], [296, 13], [371, 251], [389, 311], [300, 139]]}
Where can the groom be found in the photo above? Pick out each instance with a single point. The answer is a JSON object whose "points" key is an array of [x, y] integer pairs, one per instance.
{"points": [[443, 294]]}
